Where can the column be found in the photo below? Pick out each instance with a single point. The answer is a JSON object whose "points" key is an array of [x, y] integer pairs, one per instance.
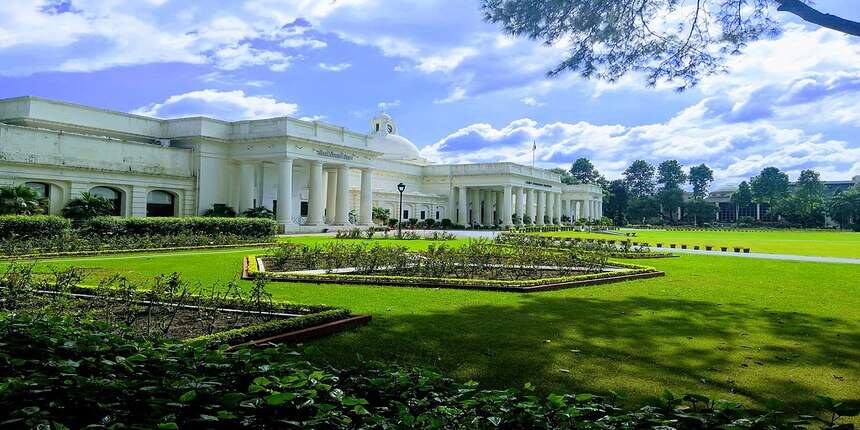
{"points": [[475, 204], [331, 196], [487, 219], [530, 205], [450, 211], [758, 212], [498, 205], [565, 209], [521, 204], [246, 186], [463, 209], [558, 208], [506, 206], [285, 192], [341, 215], [260, 173], [586, 209], [550, 206], [366, 203], [541, 208], [316, 195]]}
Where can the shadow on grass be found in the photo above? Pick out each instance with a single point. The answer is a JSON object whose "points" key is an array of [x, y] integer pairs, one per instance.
{"points": [[640, 345]]}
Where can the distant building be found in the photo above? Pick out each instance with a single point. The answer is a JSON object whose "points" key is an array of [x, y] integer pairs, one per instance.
{"points": [[729, 212]]}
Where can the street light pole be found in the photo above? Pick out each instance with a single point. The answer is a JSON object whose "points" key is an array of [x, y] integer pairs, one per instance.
{"points": [[400, 187]]}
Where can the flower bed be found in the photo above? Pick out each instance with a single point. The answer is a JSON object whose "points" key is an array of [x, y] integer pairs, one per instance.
{"points": [[170, 307], [477, 265], [615, 248]]}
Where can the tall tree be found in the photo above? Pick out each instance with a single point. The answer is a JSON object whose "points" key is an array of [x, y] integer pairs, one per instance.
{"points": [[742, 198], [583, 172], [809, 186], [844, 207], [671, 175], [769, 186], [665, 39], [639, 178], [566, 178], [21, 200], [700, 178], [617, 202]]}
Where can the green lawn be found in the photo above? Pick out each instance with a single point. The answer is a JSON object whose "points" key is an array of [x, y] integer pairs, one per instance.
{"points": [[816, 243], [732, 327]]}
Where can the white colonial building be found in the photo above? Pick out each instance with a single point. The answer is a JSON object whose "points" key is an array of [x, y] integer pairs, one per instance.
{"points": [[312, 174]]}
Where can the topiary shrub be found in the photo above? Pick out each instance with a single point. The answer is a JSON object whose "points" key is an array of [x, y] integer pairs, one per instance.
{"points": [[33, 226]]}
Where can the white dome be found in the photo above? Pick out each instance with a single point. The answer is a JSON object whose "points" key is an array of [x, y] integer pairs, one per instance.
{"points": [[393, 147]]}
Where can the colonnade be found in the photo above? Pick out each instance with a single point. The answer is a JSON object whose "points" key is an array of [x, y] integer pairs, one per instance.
{"points": [[508, 205], [327, 205]]}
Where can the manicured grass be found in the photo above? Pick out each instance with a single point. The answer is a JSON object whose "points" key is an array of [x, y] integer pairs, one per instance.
{"points": [[815, 243], [735, 328]]}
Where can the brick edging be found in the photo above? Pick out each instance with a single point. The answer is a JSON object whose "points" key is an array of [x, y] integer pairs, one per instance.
{"points": [[313, 332]]}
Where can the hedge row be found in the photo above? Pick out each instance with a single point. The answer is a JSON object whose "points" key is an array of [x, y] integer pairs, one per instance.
{"points": [[246, 227], [21, 226]]}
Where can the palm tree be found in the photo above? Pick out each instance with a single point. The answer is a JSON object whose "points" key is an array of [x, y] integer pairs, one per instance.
{"points": [[88, 206], [21, 200], [845, 207]]}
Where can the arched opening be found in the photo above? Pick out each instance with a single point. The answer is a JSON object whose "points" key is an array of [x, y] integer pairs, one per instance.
{"points": [[112, 195], [43, 190], [160, 204]]}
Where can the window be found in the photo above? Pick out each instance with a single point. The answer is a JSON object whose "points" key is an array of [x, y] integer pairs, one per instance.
{"points": [[42, 189], [160, 204], [112, 195], [275, 208], [303, 209], [423, 214], [437, 215], [405, 213]]}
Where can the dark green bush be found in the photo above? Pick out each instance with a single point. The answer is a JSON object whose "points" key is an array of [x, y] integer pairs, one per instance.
{"points": [[35, 226], [61, 374], [244, 227]]}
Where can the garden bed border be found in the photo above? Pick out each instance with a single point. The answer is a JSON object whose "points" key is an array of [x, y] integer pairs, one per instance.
{"points": [[47, 255], [250, 272]]}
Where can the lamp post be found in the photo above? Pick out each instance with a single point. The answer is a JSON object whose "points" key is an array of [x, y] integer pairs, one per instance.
{"points": [[400, 187]]}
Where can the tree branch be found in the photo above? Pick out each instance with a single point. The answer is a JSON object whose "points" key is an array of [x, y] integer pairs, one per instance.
{"points": [[808, 14]]}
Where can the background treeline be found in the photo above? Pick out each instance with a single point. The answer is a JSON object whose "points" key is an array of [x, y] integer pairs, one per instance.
{"points": [[670, 194]]}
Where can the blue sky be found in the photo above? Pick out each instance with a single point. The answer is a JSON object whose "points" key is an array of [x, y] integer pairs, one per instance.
{"points": [[457, 87]]}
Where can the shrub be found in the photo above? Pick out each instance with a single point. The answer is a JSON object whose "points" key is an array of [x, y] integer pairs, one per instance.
{"points": [[21, 200], [87, 206], [244, 227], [447, 223], [37, 226], [430, 223], [259, 212], [220, 210]]}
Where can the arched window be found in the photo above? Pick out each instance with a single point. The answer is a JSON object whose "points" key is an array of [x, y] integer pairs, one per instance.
{"points": [[113, 195], [160, 204], [41, 188]]}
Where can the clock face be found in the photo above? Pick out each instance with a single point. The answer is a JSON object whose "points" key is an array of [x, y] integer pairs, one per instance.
{"points": [[390, 128]]}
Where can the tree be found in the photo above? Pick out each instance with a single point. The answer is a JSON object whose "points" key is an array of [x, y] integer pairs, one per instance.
{"points": [[641, 209], [566, 178], [583, 172], [21, 200], [769, 186], [670, 174], [698, 210], [844, 208], [639, 178], [220, 210], [87, 206], [617, 202], [742, 198], [609, 39], [670, 200], [809, 187], [700, 178], [381, 214]]}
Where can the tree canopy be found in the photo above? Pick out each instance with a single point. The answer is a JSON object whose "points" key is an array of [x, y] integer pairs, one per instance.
{"points": [[639, 178], [700, 178], [668, 40], [583, 172], [671, 175], [769, 186]]}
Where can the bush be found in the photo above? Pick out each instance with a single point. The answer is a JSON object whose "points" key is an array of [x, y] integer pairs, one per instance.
{"points": [[97, 378], [447, 223], [36, 226], [220, 210], [430, 223], [259, 212], [258, 228], [87, 206]]}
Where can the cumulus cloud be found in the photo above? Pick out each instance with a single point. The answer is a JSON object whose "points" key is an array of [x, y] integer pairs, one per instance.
{"points": [[334, 67], [225, 105], [456, 94]]}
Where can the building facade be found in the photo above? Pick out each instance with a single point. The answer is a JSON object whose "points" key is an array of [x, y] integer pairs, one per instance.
{"points": [[311, 174]]}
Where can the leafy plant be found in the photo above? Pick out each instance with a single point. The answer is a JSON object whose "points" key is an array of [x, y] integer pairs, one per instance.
{"points": [[88, 206], [259, 212], [21, 200]]}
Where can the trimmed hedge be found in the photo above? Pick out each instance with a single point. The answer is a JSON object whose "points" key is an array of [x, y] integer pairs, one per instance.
{"points": [[245, 227], [32, 226]]}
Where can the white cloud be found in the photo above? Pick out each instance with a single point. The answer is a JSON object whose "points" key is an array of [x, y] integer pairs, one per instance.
{"points": [[457, 94], [235, 57], [334, 67], [531, 101], [303, 43], [445, 62], [226, 105], [388, 105]]}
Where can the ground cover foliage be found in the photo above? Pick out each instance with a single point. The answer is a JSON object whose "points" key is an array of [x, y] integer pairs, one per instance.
{"points": [[732, 328], [64, 373], [168, 306], [29, 235]]}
